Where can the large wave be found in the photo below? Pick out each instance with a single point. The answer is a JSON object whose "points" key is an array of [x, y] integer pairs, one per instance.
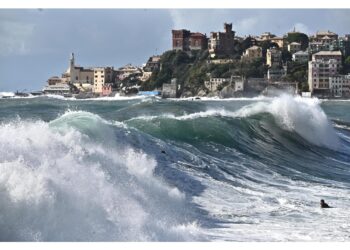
{"points": [[67, 180], [303, 116]]}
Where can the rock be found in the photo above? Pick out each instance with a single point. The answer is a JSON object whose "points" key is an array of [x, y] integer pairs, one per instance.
{"points": [[186, 94], [202, 93], [227, 92]]}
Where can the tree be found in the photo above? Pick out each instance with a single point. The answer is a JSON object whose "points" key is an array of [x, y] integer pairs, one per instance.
{"points": [[298, 37]]}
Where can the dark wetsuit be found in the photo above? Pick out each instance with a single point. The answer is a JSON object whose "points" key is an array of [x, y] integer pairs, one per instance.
{"points": [[324, 205]]}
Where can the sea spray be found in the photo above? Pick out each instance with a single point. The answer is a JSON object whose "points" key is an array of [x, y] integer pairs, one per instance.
{"points": [[303, 116], [59, 185]]}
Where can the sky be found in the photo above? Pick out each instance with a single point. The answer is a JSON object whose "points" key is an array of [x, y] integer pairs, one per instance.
{"points": [[35, 44]]}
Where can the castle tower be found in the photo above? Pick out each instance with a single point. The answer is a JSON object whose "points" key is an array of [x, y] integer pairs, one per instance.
{"points": [[228, 28]]}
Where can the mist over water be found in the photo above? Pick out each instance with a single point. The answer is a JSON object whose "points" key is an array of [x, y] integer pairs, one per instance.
{"points": [[147, 169]]}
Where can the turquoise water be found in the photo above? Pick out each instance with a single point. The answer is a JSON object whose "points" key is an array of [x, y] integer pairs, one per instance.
{"points": [[147, 169]]}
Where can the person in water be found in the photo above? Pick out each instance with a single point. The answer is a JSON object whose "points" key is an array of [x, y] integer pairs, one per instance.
{"points": [[324, 204]]}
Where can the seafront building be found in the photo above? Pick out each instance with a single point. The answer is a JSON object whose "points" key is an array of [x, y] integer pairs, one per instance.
{"points": [[324, 64], [340, 85], [325, 53], [103, 79]]}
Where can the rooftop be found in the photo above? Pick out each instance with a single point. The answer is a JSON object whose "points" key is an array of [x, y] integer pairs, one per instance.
{"points": [[328, 53]]}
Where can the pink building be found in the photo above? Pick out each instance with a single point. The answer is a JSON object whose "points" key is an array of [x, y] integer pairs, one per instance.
{"points": [[106, 90]]}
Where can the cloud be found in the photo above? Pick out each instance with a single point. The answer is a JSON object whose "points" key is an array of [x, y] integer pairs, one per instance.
{"points": [[14, 37], [302, 28]]}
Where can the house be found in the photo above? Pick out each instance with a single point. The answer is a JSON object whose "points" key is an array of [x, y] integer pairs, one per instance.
{"points": [[300, 56], [169, 90], [273, 57], [294, 47], [214, 83], [252, 53]]}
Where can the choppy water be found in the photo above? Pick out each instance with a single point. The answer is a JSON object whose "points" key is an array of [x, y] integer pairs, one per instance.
{"points": [[147, 169]]}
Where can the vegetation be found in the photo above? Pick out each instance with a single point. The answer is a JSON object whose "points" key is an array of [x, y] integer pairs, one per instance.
{"points": [[297, 72], [298, 37], [193, 70]]}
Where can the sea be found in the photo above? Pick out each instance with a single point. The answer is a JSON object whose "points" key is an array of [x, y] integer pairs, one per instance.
{"points": [[152, 169]]}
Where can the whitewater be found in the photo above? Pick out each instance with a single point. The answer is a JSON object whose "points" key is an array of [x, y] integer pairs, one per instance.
{"points": [[147, 169]]}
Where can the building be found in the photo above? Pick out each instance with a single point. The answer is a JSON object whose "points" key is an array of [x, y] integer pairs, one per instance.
{"points": [[300, 56], [57, 89], [324, 64], [55, 80], [254, 86], [107, 89], [324, 36], [186, 41], [222, 43], [239, 83], [169, 90], [273, 57], [344, 45], [252, 53], [267, 36], [77, 74], [275, 73], [327, 55], [294, 47], [127, 71], [152, 64], [340, 85], [315, 47], [102, 76], [214, 83], [279, 41]]}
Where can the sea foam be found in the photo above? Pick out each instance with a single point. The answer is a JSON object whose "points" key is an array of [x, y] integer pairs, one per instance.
{"points": [[57, 184]]}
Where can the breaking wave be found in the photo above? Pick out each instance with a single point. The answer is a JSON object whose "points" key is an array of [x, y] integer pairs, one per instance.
{"points": [[67, 180]]}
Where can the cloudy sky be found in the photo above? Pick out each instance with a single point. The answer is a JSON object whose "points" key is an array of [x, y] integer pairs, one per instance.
{"points": [[36, 44]]}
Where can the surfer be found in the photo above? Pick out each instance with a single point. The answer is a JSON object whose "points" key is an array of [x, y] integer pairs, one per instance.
{"points": [[324, 204]]}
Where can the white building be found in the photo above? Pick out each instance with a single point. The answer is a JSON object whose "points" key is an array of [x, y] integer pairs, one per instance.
{"points": [[340, 85], [300, 56], [324, 64], [214, 83], [294, 47]]}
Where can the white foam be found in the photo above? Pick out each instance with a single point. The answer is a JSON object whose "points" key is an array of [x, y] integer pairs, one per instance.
{"points": [[58, 184], [301, 115]]}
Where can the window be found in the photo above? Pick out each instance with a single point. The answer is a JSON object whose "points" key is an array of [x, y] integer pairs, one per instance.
{"points": [[76, 78]]}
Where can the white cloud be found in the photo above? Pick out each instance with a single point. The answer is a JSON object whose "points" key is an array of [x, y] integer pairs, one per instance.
{"points": [[14, 37], [247, 25], [302, 28]]}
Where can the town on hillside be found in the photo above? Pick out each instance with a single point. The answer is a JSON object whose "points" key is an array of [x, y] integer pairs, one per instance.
{"points": [[223, 65]]}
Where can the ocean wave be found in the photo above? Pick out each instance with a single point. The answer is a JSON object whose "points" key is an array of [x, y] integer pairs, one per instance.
{"points": [[300, 115], [60, 181]]}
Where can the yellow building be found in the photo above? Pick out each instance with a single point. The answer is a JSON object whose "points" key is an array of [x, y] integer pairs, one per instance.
{"points": [[102, 76], [278, 40]]}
